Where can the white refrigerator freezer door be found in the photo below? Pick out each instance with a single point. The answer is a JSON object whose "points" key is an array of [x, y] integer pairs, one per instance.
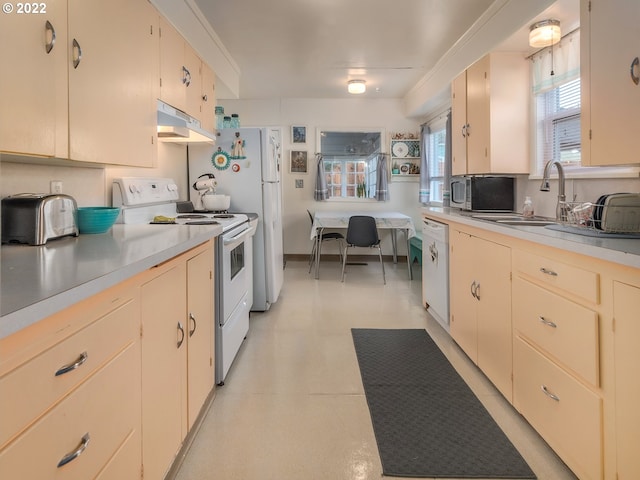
{"points": [[271, 161], [274, 255]]}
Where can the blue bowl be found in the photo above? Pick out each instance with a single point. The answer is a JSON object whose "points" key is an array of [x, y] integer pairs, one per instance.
{"points": [[96, 219]]}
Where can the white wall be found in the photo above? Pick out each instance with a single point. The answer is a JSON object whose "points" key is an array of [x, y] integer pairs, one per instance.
{"points": [[323, 113], [90, 186]]}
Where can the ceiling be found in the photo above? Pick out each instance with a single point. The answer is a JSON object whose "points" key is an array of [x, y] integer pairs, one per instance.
{"points": [[311, 48]]}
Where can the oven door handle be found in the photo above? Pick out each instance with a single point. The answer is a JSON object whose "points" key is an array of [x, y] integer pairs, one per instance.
{"points": [[236, 240]]}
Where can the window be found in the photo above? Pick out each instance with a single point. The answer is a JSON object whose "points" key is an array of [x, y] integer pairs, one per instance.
{"points": [[435, 143], [558, 125], [351, 162]]}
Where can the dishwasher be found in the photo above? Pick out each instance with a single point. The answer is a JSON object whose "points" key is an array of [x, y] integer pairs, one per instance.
{"points": [[435, 270]]}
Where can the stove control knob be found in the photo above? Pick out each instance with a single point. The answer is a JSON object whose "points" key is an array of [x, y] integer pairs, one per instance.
{"points": [[172, 187], [133, 188]]}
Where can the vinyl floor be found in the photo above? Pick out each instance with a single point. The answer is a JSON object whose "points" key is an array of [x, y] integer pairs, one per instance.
{"points": [[293, 405]]}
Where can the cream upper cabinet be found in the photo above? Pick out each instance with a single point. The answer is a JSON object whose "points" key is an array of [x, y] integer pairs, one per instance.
{"points": [[490, 116], [33, 86], [610, 73], [90, 98], [208, 103], [459, 124], [182, 76], [112, 111], [627, 382], [480, 279]]}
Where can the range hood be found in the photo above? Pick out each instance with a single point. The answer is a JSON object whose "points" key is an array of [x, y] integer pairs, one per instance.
{"points": [[178, 127]]}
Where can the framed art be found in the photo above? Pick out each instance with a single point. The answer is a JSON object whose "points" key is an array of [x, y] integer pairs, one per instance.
{"points": [[299, 162], [298, 134]]}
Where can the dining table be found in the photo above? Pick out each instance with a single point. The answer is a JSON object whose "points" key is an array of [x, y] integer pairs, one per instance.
{"points": [[393, 221]]}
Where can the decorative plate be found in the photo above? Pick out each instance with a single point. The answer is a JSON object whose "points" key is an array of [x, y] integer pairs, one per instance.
{"points": [[400, 149], [220, 160]]}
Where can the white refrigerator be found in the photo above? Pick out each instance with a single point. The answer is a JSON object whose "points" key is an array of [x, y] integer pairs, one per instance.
{"points": [[246, 166]]}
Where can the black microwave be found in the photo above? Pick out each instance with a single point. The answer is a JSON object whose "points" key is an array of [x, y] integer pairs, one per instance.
{"points": [[483, 194]]}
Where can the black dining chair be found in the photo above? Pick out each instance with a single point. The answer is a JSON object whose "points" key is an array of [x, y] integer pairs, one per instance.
{"points": [[362, 232], [317, 243]]}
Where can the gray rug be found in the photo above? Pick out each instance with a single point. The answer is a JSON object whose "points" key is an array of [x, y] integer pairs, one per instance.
{"points": [[427, 421]]}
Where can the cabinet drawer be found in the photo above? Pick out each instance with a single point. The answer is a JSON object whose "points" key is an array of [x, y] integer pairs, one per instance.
{"points": [[572, 423], [558, 276], [106, 407], [566, 330], [33, 387]]}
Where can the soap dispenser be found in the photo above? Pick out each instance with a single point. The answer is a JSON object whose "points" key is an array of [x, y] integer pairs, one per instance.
{"points": [[527, 208]]}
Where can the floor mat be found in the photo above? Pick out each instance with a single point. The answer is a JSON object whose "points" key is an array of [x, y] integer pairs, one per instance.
{"points": [[427, 421]]}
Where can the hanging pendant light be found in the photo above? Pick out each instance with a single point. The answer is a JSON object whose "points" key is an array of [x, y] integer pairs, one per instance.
{"points": [[544, 33], [356, 86]]}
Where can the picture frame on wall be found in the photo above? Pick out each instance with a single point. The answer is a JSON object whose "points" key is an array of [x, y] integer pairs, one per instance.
{"points": [[298, 134], [299, 161]]}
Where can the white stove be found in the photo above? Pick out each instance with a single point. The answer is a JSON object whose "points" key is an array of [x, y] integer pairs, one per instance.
{"points": [[144, 200], [153, 201]]}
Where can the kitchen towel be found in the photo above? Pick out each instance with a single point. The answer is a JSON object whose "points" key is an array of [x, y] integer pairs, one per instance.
{"points": [[427, 421]]}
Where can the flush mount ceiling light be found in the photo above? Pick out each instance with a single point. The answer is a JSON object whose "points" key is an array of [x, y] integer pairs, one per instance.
{"points": [[544, 33], [356, 86]]}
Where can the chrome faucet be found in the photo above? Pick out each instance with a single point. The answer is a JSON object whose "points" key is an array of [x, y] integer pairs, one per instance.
{"points": [[561, 207]]}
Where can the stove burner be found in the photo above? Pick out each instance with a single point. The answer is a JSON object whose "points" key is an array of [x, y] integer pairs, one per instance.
{"points": [[202, 222], [225, 215], [192, 215]]}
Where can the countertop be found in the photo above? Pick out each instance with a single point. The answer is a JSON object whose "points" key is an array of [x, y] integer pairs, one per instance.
{"points": [[622, 251], [37, 281]]}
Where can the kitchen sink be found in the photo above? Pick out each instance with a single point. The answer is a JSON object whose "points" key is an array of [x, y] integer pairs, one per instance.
{"points": [[514, 219]]}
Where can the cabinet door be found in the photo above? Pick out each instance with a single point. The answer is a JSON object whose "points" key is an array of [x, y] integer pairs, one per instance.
{"points": [[607, 86], [164, 365], [459, 125], [627, 383], [193, 86], [464, 326], [493, 292], [172, 75], [112, 112], [208, 98], [478, 132], [33, 90], [200, 378]]}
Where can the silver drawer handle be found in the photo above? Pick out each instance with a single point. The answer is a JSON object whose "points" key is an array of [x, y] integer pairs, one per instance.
{"points": [[548, 272], [69, 457], [549, 394], [547, 322], [634, 66], [76, 58], [181, 330], [72, 366], [48, 26]]}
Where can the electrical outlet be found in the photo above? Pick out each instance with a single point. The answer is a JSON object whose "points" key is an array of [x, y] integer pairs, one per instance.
{"points": [[55, 186]]}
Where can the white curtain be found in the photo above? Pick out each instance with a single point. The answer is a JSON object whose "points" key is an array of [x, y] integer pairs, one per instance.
{"points": [[321, 191], [563, 59], [424, 194], [382, 180]]}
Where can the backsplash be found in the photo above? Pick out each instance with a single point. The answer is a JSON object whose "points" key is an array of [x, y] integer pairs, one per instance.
{"points": [[584, 190]]}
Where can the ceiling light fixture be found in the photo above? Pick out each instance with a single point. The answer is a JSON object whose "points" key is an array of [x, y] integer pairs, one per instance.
{"points": [[356, 86], [544, 33]]}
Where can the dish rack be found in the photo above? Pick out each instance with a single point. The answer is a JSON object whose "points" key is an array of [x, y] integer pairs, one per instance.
{"points": [[614, 218]]}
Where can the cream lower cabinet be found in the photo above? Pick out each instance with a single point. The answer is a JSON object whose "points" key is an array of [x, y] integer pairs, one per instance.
{"points": [[556, 358], [480, 284], [627, 381], [70, 392], [177, 354]]}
